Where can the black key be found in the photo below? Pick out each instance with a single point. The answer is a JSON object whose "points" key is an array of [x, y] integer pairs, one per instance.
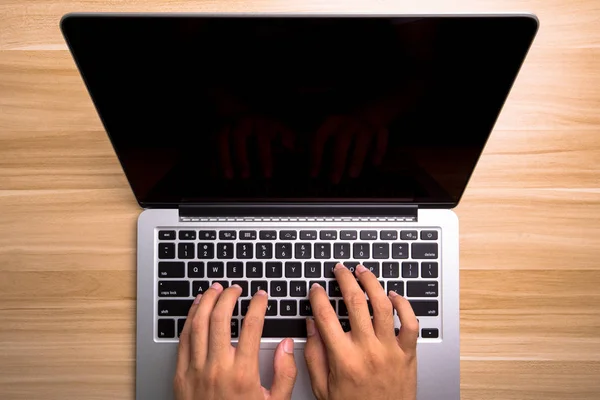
{"points": [[255, 286], [400, 250], [395, 286], [207, 235], [424, 308], [430, 333], [206, 250], [368, 235], [166, 250], [396, 331], [373, 267], [264, 250], [166, 235], [332, 302], [341, 250], [303, 251], [382, 285], [410, 270], [351, 265], [171, 269], [235, 269], [271, 308], [429, 269], [361, 250], [278, 289], [244, 251], [166, 328], [195, 269], [225, 284], [293, 269], [328, 235], [235, 309], [429, 235], [305, 308], [334, 289], [388, 235], [328, 268], [180, 325], [247, 235], [281, 328], [345, 323], [297, 288], [225, 250], [174, 308], [312, 269], [342, 309], [424, 250], [185, 251], [381, 250], [322, 283], [274, 269], [288, 308], [370, 307], [308, 235], [235, 328], [422, 289], [173, 289], [254, 269], [267, 235], [390, 269], [199, 287], [283, 250], [243, 285], [244, 307], [322, 251], [215, 269], [408, 235], [227, 235], [288, 235], [187, 235], [348, 235]]}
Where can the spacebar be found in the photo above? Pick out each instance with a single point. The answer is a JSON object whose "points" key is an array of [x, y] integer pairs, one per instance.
{"points": [[282, 328]]}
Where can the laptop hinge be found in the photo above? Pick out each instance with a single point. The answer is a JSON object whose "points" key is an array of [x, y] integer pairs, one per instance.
{"points": [[298, 212]]}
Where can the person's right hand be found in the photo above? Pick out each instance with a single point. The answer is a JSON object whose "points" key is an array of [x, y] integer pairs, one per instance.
{"points": [[369, 362]]}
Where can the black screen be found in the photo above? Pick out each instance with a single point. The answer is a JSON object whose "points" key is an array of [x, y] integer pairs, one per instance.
{"points": [[319, 109]]}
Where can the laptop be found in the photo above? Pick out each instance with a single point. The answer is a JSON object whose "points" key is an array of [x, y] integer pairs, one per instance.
{"points": [[263, 149]]}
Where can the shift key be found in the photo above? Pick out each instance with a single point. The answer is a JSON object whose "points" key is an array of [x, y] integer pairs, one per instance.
{"points": [[174, 308], [425, 308]]}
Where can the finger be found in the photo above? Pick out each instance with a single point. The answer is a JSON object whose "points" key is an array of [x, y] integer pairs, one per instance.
{"points": [[265, 135], [240, 135], [326, 320], [361, 148], [380, 146], [223, 139], [249, 344], [315, 355], [323, 133], [287, 136], [220, 324], [356, 303], [284, 371], [409, 329], [383, 316], [183, 350], [343, 135], [200, 325]]}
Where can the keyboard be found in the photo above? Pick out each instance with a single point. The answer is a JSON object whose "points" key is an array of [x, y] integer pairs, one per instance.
{"points": [[285, 263]]}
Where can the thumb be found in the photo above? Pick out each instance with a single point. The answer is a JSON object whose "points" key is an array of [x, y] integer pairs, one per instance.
{"points": [[315, 355], [285, 371]]}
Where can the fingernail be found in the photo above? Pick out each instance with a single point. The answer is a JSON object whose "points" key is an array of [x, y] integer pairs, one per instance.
{"points": [[310, 327], [338, 266], [197, 299], [360, 269], [236, 285], [393, 294], [288, 345], [217, 286], [261, 293], [315, 286]]}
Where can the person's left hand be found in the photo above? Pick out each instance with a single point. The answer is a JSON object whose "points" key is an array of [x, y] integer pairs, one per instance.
{"points": [[210, 368]]}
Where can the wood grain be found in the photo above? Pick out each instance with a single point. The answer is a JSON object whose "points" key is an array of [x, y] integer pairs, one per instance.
{"points": [[530, 218]]}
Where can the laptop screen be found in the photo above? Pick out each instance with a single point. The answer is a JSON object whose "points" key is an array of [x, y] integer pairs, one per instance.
{"points": [[296, 109]]}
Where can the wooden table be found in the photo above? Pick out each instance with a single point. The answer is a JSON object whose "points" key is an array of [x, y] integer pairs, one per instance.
{"points": [[530, 218]]}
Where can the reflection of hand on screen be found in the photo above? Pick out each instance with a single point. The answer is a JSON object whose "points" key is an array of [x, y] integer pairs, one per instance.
{"points": [[233, 144]]}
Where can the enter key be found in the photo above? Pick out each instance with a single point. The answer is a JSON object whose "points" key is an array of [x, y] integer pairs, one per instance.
{"points": [[422, 289]]}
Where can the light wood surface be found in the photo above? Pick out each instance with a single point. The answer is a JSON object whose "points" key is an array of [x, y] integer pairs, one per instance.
{"points": [[530, 218]]}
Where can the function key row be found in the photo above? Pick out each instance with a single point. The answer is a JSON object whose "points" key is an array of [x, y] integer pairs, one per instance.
{"points": [[293, 235]]}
